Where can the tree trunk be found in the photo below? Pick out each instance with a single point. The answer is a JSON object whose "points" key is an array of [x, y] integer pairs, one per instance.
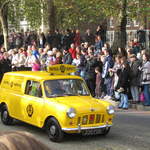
{"points": [[123, 24], [51, 15], [4, 23], [120, 37]]}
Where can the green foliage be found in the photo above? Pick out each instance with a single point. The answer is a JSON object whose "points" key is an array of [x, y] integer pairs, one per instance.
{"points": [[73, 13]]}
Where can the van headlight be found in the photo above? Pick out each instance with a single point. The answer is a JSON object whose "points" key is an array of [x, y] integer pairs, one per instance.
{"points": [[71, 113], [110, 110]]}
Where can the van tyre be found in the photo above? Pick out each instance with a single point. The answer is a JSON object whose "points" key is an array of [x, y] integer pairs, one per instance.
{"points": [[105, 131], [5, 118], [54, 131]]}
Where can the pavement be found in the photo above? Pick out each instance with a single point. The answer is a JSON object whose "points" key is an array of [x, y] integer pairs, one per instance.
{"points": [[134, 107]]}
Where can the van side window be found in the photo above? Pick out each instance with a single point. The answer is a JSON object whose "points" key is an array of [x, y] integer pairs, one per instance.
{"points": [[33, 88]]}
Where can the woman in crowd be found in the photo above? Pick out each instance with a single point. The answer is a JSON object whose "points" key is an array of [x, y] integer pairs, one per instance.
{"points": [[146, 78]]}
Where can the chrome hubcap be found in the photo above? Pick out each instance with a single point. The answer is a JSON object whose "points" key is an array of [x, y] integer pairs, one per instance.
{"points": [[53, 130], [5, 115]]}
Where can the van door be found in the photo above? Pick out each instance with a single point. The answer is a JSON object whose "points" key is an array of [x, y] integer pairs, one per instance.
{"points": [[33, 103]]}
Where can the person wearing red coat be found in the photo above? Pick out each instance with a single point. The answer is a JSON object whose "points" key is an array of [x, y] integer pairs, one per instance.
{"points": [[72, 51]]}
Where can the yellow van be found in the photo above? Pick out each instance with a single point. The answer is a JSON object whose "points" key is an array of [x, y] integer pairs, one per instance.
{"points": [[54, 100]]}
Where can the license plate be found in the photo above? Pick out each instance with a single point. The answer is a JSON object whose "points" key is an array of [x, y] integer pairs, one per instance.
{"points": [[91, 132]]}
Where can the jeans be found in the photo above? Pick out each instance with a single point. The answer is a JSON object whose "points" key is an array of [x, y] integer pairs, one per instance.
{"points": [[108, 84], [82, 74], [147, 94], [135, 93], [123, 101]]}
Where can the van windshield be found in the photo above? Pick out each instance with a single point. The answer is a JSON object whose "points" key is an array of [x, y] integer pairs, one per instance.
{"points": [[65, 87]]}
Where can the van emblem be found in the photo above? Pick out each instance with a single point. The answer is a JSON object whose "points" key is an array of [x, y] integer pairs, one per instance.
{"points": [[62, 68], [29, 110], [92, 109]]}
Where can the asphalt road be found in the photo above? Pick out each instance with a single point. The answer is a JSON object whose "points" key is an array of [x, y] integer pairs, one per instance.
{"points": [[131, 131]]}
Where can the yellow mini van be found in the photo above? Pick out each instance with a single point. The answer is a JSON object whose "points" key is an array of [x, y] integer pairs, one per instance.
{"points": [[54, 100]]}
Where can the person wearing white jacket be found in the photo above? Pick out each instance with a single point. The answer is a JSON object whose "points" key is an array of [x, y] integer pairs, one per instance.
{"points": [[18, 60], [146, 78]]}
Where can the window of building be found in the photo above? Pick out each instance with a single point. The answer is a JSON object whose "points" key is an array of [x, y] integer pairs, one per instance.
{"points": [[136, 23], [111, 24], [129, 22]]}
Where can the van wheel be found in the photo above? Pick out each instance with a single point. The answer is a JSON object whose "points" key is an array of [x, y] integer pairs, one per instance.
{"points": [[54, 131], [105, 131], [5, 118]]}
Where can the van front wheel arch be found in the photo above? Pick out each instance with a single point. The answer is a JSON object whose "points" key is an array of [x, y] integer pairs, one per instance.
{"points": [[54, 130], [5, 118]]}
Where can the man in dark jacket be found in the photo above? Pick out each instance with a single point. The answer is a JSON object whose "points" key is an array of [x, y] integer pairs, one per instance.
{"points": [[108, 64], [89, 37], [90, 76], [57, 39], [67, 59], [50, 38], [135, 75]]}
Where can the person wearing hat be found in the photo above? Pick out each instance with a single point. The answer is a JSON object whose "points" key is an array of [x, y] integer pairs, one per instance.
{"points": [[50, 58], [135, 76]]}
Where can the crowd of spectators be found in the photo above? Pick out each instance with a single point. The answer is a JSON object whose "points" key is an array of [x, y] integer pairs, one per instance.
{"points": [[122, 74]]}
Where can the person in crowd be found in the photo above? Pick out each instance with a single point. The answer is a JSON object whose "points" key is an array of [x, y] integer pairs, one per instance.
{"points": [[67, 59], [19, 41], [29, 60], [135, 46], [49, 38], [57, 39], [101, 32], [41, 40], [122, 52], [113, 71], [77, 62], [123, 84], [36, 66], [72, 51], [135, 76], [90, 75], [5, 65], [68, 39], [98, 45], [98, 89], [58, 58], [77, 38], [89, 37], [108, 63], [20, 141], [83, 63], [50, 59], [18, 60], [146, 78]]}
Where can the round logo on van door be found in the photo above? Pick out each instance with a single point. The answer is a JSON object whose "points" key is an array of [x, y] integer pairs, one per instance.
{"points": [[30, 110]]}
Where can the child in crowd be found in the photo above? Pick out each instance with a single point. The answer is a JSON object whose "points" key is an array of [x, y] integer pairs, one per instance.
{"points": [[36, 65]]}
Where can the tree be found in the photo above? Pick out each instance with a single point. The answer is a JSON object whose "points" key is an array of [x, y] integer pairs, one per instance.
{"points": [[3, 20], [51, 15]]}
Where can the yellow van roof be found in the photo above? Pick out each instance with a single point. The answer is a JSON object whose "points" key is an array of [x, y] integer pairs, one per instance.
{"points": [[41, 75]]}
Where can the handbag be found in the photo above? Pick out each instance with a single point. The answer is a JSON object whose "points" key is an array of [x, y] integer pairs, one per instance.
{"points": [[142, 97]]}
